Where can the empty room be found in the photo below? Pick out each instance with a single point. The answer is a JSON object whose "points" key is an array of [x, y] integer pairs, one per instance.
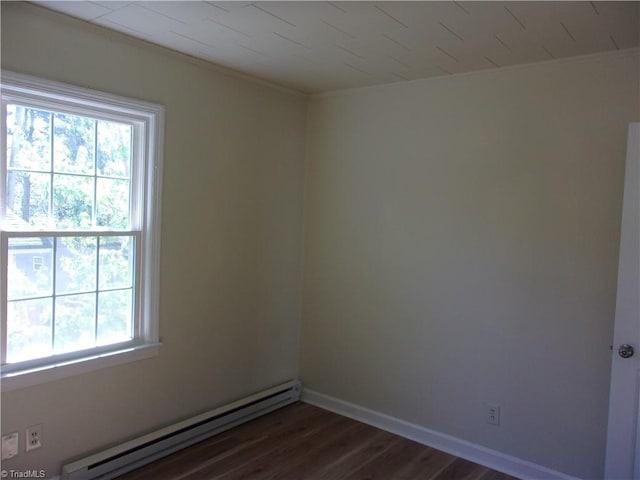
{"points": [[320, 240]]}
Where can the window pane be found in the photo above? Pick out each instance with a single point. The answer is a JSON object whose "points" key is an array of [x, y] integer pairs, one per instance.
{"points": [[116, 262], [75, 322], [76, 264], [28, 138], [114, 149], [72, 201], [79, 201], [112, 209], [114, 317], [28, 199], [28, 329], [73, 144], [29, 272]]}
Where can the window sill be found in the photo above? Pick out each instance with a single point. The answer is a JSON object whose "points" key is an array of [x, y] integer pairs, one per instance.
{"points": [[49, 373]]}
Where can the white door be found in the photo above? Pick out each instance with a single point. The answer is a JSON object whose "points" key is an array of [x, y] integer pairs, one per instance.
{"points": [[623, 434]]}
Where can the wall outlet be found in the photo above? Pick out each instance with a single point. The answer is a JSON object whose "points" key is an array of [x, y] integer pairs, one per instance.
{"points": [[492, 414], [34, 437], [10, 445]]}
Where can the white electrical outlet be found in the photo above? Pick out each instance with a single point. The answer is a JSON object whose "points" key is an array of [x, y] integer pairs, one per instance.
{"points": [[34, 437], [492, 414], [10, 445]]}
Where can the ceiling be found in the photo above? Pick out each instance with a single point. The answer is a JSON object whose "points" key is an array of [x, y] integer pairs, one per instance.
{"points": [[321, 46]]}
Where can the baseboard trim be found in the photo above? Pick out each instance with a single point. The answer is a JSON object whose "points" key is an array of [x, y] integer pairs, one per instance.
{"points": [[447, 443]]}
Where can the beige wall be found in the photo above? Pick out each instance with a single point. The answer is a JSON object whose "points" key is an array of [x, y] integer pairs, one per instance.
{"points": [[231, 239], [461, 246]]}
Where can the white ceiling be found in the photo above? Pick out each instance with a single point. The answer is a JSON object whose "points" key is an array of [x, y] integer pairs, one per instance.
{"points": [[320, 46]]}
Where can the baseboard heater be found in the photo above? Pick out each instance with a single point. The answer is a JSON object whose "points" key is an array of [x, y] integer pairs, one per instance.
{"points": [[135, 453]]}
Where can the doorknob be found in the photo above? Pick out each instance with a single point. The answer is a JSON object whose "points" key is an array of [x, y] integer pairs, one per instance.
{"points": [[625, 351]]}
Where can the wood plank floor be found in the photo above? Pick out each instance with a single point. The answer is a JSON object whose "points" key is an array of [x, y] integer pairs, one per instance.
{"points": [[302, 442]]}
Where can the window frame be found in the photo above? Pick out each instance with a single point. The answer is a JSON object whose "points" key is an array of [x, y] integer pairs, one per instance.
{"points": [[148, 121]]}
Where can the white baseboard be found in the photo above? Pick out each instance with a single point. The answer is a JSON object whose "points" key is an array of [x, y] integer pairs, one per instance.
{"points": [[455, 446]]}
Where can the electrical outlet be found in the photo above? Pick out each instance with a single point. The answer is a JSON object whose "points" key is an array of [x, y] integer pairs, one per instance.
{"points": [[34, 437], [492, 414], [10, 445]]}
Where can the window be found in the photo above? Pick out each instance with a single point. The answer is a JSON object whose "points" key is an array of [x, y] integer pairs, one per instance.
{"points": [[79, 229]]}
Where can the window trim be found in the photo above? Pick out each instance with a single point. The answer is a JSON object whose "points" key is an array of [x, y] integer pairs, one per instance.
{"points": [[51, 94]]}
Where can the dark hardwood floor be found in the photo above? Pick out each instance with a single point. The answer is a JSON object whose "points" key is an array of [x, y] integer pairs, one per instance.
{"points": [[302, 442]]}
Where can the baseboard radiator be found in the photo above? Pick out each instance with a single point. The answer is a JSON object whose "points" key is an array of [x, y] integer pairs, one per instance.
{"points": [[135, 453]]}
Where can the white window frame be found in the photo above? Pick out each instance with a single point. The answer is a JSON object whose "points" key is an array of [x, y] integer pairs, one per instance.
{"points": [[149, 123]]}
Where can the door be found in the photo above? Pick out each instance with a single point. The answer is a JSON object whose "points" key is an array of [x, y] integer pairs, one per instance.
{"points": [[623, 442]]}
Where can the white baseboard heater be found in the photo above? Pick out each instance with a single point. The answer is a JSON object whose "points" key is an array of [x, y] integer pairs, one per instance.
{"points": [[135, 453]]}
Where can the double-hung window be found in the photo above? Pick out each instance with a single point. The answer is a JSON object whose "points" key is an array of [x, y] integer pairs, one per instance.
{"points": [[79, 229]]}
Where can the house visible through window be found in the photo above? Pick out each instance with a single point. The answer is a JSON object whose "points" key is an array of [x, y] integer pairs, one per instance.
{"points": [[79, 233]]}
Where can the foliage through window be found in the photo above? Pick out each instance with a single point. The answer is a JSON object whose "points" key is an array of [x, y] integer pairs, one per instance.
{"points": [[79, 202]]}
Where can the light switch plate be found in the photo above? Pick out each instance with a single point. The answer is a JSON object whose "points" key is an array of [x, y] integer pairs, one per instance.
{"points": [[10, 445]]}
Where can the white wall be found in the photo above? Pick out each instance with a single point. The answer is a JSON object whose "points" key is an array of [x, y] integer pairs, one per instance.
{"points": [[231, 239], [461, 246]]}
